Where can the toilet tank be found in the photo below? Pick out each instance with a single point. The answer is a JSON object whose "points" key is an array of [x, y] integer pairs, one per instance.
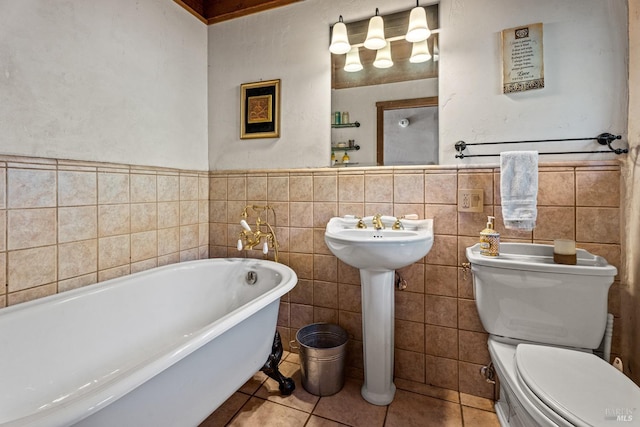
{"points": [[523, 294]]}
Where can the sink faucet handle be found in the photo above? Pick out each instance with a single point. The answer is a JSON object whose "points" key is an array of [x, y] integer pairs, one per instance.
{"points": [[361, 223], [377, 222]]}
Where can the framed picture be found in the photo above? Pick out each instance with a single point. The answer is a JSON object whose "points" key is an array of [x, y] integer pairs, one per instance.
{"points": [[260, 110]]}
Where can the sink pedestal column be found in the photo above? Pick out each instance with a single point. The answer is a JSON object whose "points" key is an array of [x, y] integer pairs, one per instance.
{"points": [[378, 310]]}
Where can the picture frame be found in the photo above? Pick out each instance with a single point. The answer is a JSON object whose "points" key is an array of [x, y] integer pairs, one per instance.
{"points": [[260, 109]]}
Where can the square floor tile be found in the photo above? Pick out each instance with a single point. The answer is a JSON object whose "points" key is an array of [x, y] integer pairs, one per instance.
{"points": [[348, 407], [410, 409]]}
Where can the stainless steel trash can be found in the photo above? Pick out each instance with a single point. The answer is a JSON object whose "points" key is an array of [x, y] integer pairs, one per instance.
{"points": [[322, 357]]}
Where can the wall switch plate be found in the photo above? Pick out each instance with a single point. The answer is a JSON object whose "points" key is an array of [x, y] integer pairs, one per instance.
{"points": [[470, 200]]}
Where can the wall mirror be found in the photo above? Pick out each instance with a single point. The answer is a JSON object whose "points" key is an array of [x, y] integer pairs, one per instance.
{"points": [[373, 93]]}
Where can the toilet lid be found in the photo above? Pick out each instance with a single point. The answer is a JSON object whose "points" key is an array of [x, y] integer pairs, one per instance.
{"points": [[578, 386]]}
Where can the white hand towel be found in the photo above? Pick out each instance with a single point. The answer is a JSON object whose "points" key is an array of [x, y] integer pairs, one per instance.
{"points": [[519, 189]]}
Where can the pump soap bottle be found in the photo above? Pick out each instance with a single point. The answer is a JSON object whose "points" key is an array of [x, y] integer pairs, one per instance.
{"points": [[489, 239]]}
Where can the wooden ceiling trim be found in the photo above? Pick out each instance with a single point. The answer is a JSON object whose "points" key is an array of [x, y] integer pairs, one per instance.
{"points": [[214, 11]]}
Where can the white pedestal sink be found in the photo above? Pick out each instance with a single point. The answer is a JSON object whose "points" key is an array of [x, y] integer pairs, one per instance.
{"points": [[378, 253]]}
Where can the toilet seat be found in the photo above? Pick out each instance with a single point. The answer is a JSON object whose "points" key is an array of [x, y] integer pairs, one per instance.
{"points": [[577, 386]]}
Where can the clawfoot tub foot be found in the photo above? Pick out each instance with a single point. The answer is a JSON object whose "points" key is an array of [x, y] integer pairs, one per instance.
{"points": [[286, 385]]}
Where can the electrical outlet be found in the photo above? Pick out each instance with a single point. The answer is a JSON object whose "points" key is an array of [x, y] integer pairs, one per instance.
{"points": [[470, 200]]}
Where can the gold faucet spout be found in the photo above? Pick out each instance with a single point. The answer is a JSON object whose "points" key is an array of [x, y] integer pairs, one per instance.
{"points": [[377, 222]]}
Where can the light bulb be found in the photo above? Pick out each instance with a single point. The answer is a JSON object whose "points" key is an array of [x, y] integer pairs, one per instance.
{"points": [[418, 29], [420, 52], [352, 63], [339, 38], [375, 34], [383, 57]]}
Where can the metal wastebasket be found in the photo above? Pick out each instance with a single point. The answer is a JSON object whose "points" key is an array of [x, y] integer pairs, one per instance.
{"points": [[322, 356]]}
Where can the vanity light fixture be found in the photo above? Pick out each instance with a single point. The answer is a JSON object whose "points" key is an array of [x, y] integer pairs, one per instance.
{"points": [[352, 62], [375, 34], [339, 38], [420, 52], [383, 57], [418, 28]]}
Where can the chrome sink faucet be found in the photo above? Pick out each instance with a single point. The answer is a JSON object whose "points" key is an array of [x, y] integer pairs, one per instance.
{"points": [[377, 222]]}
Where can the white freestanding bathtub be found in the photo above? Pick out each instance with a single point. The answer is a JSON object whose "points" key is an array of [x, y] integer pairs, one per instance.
{"points": [[164, 347]]}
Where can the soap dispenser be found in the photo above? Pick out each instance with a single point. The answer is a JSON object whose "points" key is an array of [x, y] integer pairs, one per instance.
{"points": [[489, 239]]}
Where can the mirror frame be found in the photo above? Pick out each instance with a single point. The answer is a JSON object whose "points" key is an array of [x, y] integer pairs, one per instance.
{"points": [[382, 106]]}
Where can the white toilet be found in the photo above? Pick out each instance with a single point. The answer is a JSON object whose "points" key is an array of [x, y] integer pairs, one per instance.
{"points": [[544, 320]]}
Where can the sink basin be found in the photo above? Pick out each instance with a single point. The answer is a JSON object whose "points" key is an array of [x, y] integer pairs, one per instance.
{"points": [[378, 253], [385, 249]]}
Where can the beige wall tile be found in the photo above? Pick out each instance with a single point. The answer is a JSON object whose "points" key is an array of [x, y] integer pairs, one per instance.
{"points": [[113, 220], [352, 323], [237, 188], [468, 318], [302, 293], [168, 188], [556, 188], [147, 264], [325, 294], [189, 212], [445, 218], [594, 188], [3, 273], [301, 315], [301, 214], [203, 187], [301, 240], [356, 209], [218, 211], [171, 258], [323, 212], [409, 365], [114, 251], [472, 383], [29, 268], [441, 280], [598, 225], [278, 188], [77, 188], [77, 223], [473, 347], [472, 223], [168, 214], [408, 188], [300, 188], [189, 187], [441, 372], [144, 245], [441, 341], [444, 250], [27, 228], [113, 188], [441, 188], [203, 211], [144, 217], [218, 234], [3, 230], [378, 188], [77, 282], [188, 237], [203, 234], [349, 297], [350, 188], [409, 335], [77, 258], [302, 264], [143, 188], [325, 188], [115, 272], [218, 188], [555, 223], [325, 267], [31, 188], [440, 311], [3, 187], [31, 294], [348, 274], [409, 306], [414, 276]]}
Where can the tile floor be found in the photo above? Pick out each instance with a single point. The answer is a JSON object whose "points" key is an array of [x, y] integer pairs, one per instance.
{"points": [[259, 403]]}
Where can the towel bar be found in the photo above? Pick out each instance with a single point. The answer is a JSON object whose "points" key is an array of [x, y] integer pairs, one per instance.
{"points": [[603, 139]]}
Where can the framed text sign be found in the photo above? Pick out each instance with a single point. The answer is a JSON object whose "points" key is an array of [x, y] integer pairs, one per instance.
{"points": [[522, 58], [260, 110]]}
